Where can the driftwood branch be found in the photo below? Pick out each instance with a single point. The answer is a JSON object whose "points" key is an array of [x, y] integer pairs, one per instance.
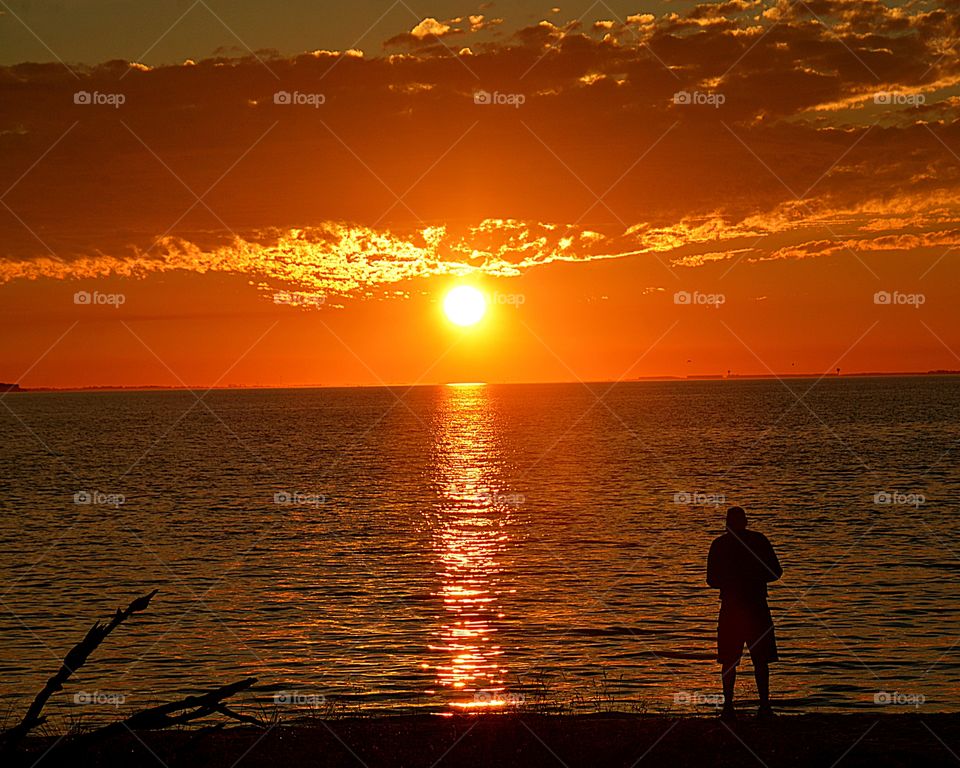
{"points": [[223, 709], [180, 712], [161, 716], [75, 658]]}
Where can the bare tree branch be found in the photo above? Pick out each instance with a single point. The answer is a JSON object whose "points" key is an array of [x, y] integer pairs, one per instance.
{"points": [[189, 708], [75, 658]]}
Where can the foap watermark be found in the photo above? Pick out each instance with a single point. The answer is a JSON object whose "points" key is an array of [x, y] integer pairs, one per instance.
{"points": [[99, 499], [496, 98], [298, 299], [297, 499], [899, 99], [897, 499], [899, 299], [504, 499], [699, 98], [696, 298], [99, 698], [299, 699], [697, 699], [498, 699], [698, 499], [899, 699], [98, 99], [97, 299], [299, 99], [515, 300]]}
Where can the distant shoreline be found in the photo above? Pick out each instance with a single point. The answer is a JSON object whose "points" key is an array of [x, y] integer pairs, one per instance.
{"points": [[16, 388]]}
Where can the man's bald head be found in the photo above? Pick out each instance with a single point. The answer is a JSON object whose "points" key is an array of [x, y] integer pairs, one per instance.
{"points": [[736, 519]]}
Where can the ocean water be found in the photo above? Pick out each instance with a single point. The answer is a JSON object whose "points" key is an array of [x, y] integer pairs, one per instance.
{"points": [[446, 547]]}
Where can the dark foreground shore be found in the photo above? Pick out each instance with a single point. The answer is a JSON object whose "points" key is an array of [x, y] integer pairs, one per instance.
{"points": [[532, 740]]}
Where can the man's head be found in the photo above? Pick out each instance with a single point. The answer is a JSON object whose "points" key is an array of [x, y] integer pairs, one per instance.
{"points": [[736, 519]]}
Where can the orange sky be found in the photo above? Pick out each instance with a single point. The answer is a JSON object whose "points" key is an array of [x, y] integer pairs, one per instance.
{"points": [[816, 165]]}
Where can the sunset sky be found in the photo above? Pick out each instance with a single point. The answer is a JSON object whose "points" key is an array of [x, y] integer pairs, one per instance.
{"points": [[282, 194]]}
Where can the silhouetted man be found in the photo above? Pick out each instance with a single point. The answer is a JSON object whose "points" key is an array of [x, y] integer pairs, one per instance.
{"points": [[740, 565]]}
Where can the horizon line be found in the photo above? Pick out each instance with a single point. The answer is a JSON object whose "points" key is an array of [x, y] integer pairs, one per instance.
{"points": [[12, 387]]}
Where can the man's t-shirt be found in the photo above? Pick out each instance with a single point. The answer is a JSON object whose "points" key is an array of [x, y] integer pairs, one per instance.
{"points": [[740, 565]]}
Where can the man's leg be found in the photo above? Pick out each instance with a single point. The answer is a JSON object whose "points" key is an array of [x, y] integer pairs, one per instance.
{"points": [[763, 650], [729, 674], [761, 672]]}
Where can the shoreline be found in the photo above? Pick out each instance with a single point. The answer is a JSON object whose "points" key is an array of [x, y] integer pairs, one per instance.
{"points": [[17, 389], [500, 740]]}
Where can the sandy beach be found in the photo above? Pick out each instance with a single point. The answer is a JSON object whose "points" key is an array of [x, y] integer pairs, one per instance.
{"points": [[535, 740]]}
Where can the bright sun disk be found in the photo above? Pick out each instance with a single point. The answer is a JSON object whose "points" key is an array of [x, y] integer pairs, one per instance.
{"points": [[465, 305]]}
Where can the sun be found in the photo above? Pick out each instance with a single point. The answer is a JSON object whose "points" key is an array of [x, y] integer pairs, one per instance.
{"points": [[465, 305]]}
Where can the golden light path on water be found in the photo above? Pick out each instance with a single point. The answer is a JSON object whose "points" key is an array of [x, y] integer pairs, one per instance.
{"points": [[469, 537]]}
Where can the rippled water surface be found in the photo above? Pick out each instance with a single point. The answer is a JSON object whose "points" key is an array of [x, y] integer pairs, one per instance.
{"points": [[470, 545]]}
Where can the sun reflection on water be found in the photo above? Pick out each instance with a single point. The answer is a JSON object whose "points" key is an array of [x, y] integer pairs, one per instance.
{"points": [[470, 534]]}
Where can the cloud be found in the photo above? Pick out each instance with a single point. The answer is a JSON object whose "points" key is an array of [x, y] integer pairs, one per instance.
{"points": [[379, 168], [430, 27], [337, 258]]}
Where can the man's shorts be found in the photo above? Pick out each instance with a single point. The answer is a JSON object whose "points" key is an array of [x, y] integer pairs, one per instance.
{"points": [[749, 625]]}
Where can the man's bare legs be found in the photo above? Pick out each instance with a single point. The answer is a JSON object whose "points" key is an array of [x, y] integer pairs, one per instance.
{"points": [[761, 673]]}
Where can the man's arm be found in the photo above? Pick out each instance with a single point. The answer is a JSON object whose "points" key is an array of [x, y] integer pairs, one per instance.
{"points": [[713, 567], [773, 568]]}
